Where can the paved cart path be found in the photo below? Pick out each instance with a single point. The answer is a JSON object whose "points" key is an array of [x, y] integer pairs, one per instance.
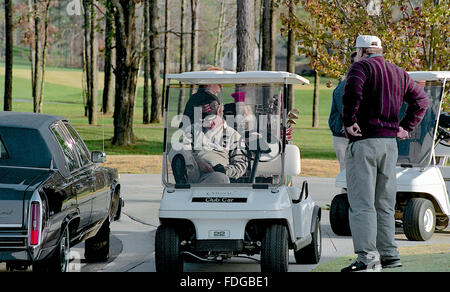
{"points": [[132, 241], [143, 195]]}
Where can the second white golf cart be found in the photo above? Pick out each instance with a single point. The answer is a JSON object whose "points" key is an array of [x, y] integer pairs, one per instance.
{"points": [[258, 213], [423, 177]]}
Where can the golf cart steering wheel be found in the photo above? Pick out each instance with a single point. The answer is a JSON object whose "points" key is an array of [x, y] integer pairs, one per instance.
{"points": [[444, 136], [264, 151], [444, 130]]}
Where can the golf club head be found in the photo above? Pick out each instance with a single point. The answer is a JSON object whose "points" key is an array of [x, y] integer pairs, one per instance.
{"points": [[292, 116]]}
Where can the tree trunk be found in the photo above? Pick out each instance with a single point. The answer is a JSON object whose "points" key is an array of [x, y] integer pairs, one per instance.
{"points": [[87, 56], [194, 35], [108, 90], [245, 35], [217, 49], [181, 98], [166, 49], [9, 27], [44, 52], [146, 113], [315, 123], [32, 50], [93, 105], [291, 53], [84, 80], [268, 36], [127, 67], [156, 107], [38, 55], [91, 55]]}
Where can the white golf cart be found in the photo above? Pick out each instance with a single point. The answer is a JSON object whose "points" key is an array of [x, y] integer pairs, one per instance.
{"points": [[423, 177], [259, 213]]}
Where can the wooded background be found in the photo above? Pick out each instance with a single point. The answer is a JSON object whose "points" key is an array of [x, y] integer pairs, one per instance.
{"points": [[129, 39]]}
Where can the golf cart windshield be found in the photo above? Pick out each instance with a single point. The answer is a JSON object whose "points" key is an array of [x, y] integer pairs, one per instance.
{"points": [[221, 132], [417, 151]]}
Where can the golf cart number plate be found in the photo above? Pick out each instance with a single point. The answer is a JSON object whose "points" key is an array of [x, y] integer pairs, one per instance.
{"points": [[219, 234]]}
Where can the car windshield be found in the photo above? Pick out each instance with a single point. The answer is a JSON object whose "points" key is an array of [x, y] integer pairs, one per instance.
{"points": [[224, 135], [417, 150]]}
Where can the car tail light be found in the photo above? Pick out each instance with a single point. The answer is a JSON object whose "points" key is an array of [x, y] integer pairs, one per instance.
{"points": [[35, 222]]}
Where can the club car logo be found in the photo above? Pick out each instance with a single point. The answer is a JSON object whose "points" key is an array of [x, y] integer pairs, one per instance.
{"points": [[219, 200]]}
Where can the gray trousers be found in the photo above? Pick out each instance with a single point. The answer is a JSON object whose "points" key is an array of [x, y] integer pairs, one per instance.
{"points": [[340, 146], [372, 187]]}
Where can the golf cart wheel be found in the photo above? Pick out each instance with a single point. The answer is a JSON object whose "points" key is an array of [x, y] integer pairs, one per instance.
{"points": [[275, 250], [311, 254], [339, 215], [167, 250], [419, 219]]}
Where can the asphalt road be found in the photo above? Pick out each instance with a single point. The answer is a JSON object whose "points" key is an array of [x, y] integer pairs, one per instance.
{"points": [[136, 230], [132, 237]]}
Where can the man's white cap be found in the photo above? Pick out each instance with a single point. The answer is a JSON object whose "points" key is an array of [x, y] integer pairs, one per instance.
{"points": [[368, 41]]}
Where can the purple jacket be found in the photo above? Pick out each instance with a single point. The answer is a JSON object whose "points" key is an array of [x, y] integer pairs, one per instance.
{"points": [[373, 96]]}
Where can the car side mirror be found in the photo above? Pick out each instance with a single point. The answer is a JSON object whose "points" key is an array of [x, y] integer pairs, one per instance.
{"points": [[98, 157]]}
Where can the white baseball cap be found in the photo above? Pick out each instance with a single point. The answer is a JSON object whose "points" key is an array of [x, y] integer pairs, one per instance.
{"points": [[368, 41]]}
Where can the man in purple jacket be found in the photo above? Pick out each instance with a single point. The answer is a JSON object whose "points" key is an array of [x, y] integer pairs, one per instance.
{"points": [[373, 96]]}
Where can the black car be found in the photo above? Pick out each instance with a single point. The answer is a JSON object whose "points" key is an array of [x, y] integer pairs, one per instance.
{"points": [[53, 194]]}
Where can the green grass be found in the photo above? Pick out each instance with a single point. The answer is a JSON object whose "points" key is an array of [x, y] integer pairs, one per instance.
{"points": [[438, 262], [67, 101]]}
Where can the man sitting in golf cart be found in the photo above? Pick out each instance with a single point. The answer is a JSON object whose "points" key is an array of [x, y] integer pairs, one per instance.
{"points": [[213, 152]]}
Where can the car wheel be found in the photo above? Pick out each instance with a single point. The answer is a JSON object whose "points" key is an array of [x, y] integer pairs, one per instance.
{"points": [[419, 219], [97, 248], [339, 220], [311, 254], [167, 250], [275, 250], [116, 204], [119, 210], [59, 261]]}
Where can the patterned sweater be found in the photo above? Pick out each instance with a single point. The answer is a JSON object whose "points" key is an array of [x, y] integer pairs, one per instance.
{"points": [[374, 93], [222, 145]]}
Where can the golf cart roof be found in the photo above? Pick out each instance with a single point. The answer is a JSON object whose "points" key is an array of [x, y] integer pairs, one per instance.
{"points": [[430, 75], [229, 77]]}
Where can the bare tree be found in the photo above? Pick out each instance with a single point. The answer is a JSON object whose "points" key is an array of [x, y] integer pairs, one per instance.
{"points": [[194, 34], [127, 68], [36, 91], [268, 26], [146, 113], [91, 56], [181, 98], [219, 41], [156, 107], [108, 90], [9, 27], [166, 47], [291, 53], [245, 35], [315, 122], [44, 51]]}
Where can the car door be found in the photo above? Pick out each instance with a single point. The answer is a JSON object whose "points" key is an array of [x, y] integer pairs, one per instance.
{"points": [[80, 178], [101, 191]]}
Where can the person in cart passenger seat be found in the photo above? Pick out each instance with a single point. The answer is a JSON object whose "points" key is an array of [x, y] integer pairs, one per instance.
{"points": [[218, 152]]}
